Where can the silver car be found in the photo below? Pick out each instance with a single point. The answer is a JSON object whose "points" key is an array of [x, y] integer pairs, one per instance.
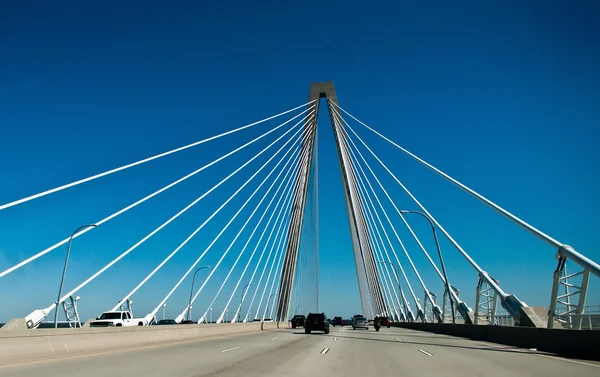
{"points": [[360, 322]]}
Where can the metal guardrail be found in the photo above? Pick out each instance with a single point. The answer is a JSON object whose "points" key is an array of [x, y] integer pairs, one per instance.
{"points": [[590, 319]]}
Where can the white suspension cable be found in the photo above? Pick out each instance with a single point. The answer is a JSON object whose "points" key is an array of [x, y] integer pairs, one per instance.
{"points": [[226, 226], [283, 213], [285, 193], [291, 159], [123, 210], [282, 247], [379, 241], [56, 189], [370, 268], [199, 228], [279, 259], [167, 222], [564, 249], [387, 256], [482, 273], [346, 138], [280, 231], [544, 237], [225, 254], [278, 284], [289, 275], [387, 295], [427, 292]]}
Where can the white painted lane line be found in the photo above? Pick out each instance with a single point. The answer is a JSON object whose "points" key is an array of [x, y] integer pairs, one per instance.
{"points": [[231, 349], [335, 338], [399, 339], [324, 351], [426, 353], [275, 338], [387, 334]]}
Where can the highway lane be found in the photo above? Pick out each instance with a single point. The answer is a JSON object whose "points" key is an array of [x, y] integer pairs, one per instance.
{"points": [[286, 352]]}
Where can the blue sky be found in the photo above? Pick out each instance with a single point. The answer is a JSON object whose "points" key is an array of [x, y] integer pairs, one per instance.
{"points": [[501, 95]]}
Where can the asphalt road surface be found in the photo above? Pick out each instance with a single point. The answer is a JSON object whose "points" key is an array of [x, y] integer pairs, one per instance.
{"points": [[286, 352]]}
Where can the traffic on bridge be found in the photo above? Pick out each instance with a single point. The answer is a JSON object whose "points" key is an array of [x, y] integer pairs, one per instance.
{"points": [[195, 227]]}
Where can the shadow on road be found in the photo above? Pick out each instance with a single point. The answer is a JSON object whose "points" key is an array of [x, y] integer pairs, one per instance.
{"points": [[479, 348]]}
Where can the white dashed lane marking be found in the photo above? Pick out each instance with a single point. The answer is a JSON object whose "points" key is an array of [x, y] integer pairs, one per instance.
{"points": [[426, 353], [231, 349]]}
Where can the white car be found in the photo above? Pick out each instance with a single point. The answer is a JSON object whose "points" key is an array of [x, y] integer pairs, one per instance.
{"points": [[118, 319]]}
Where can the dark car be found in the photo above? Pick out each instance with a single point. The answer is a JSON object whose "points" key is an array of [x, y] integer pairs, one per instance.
{"points": [[298, 321], [345, 322], [166, 322], [316, 322], [337, 321], [187, 322], [384, 321]]}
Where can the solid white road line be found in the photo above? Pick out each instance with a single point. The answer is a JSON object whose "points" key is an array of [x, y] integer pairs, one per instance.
{"points": [[275, 338], [426, 353], [399, 339], [231, 349], [324, 351]]}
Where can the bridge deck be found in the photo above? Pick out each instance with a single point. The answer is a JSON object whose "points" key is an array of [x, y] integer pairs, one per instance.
{"points": [[286, 352]]}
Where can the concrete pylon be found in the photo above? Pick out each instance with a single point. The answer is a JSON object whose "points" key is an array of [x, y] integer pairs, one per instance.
{"points": [[368, 280]]}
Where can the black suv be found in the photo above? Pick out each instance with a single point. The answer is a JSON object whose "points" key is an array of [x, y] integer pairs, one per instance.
{"points": [[316, 322], [337, 321], [298, 321]]}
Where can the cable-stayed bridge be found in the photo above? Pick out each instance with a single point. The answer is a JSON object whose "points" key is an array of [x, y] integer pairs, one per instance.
{"points": [[259, 228]]}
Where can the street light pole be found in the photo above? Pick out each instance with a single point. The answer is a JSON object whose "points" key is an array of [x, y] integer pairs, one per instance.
{"points": [[437, 245], [399, 286], [192, 292], [62, 280], [242, 299], [163, 311]]}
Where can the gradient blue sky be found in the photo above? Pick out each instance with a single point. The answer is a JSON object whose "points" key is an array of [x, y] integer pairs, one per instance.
{"points": [[501, 95]]}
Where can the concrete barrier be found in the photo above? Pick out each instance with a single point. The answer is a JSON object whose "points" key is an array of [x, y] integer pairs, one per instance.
{"points": [[579, 344], [23, 344]]}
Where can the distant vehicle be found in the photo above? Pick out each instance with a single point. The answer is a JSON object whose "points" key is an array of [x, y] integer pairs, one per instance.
{"points": [[298, 321], [360, 322], [167, 322], [346, 322], [187, 322], [337, 321], [316, 322], [385, 321], [117, 319], [370, 322]]}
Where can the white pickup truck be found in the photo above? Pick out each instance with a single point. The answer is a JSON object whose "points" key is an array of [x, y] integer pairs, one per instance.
{"points": [[118, 319]]}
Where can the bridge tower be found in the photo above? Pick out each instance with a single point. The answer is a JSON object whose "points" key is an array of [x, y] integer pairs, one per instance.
{"points": [[366, 266]]}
